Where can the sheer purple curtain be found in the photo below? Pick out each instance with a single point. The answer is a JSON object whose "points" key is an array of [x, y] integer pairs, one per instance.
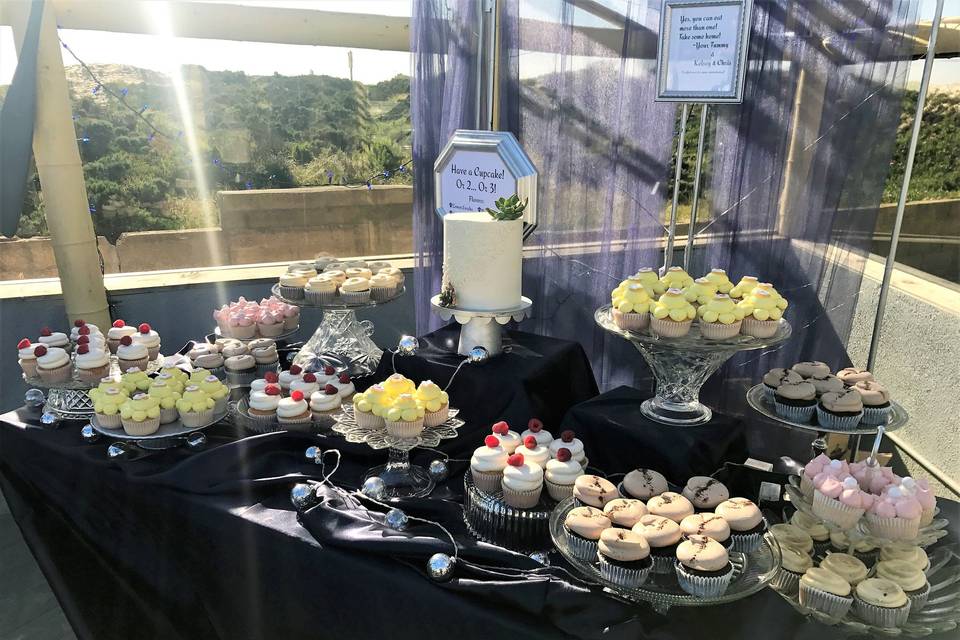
{"points": [[443, 94]]}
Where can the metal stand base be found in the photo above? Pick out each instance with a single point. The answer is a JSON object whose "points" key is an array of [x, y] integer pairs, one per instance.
{"points": [[350, 339], [481, 328], [480, 333]]}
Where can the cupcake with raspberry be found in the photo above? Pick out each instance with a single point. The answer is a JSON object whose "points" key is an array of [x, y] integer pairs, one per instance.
{"points": [[720, 317], [624, 557], [82, 327], [140, 414], [294, 412], [93, 339], [522, 482], [560, 474], [631, 308], [270, 377], [27, 359], [404, 419], [535, 429], [671, 315], [118, 330], [325, 404], [345, 386], [194, 407], [509, 440], [91, 364], [148, 338], [436, 403], [53, 364], [487, 464], [568, 440], [57, 339], [287, 377], [307, 384], [533, 452], [262, 405], [131, 354]]}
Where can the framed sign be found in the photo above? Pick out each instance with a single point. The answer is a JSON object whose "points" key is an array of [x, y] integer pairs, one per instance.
{"points": [[702, 50], [478, 167]]}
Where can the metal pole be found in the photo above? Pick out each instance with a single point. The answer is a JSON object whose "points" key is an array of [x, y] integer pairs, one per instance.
{"points": [[493, 61], [688, 250], [905, 186], [479, 71], [672, 231]]}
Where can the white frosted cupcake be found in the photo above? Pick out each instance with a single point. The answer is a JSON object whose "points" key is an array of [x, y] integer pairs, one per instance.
{"points": [[535, 429], [560, 475], [825, 591], [321, 290], [53, 364], [509, 440], [148, 338], [881, 602], [522, 482], [131, 354], [487, 464], [294, 412], [324, 404], [382, 287], [355, 290], [533, 452]]}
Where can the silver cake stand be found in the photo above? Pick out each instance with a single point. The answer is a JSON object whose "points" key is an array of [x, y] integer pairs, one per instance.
{"points": [[682, 365], [481, 328], [168, 436]]}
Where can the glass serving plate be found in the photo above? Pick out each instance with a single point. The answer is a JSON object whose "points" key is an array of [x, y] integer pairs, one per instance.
{"points": [[286, 334], [751, 571], [166, 436], [757, 399], [74, 383], [337, 304], [240, 411], [492, 520]]}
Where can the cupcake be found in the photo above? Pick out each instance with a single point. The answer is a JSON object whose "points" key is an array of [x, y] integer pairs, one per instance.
{"points": [[266, 357], [560, 475], [325, 404], [793, 564], [211, 362], [53, 364], [905, 551], [908, 577], [294, 412], [78, 330], [881, 602], [535, 429], [286, 377], [842, 503], [291, 316], [262, 406], [148, 338], [241, 370], [396, 274], [522, 482], [662, 534], [650, 280], [852, 375], [167, 398], [140, 414], [826, 383], [344, 385], [397, 384], [213, 387], [404, 418], [846, 566], [270, 377], [745, 521], [643, 484], [761, 313], [842, 410], [744, 287], [106, 404], [118, 330], [593, 491], [270, 324], [676, 278], [671, 315], [337, 274], [583, 526], [625, 512], [894, 515], [921, 490], [719, 279], [436, 403], [703, 567], [776, 377], [509, 440], [49, 338], [89, 334], [707, 524], [864, 549], [27, 359], [308, 385], [487, 464], [720, 317], [795, 401], [876, 402], [705, 493], [196, 376], [131, 354], [359, 272], [134, 380], [305, 268], [320, 290], [194, 407], [230, 348], [700, 293], [242, 326], [376, 265], [811, 368], [670, 505], [568, 440], [826, 592], [631, 308], [533, 452], [788, 535], [822, 464], [382, 287], [369, 407], [91, 365], [323, 259], [355, 291], [814, 528], [292, 285], [624, 557]]}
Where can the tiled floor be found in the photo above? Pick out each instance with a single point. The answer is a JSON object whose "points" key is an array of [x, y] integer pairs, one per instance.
{"points": [[28, 609]]}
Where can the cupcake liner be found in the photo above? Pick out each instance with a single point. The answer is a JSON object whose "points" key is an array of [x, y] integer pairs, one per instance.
{"points": [[631, 321], [144, 428], [291, 293], [558, 492], [53, 376], [786, 582], [769, 393], [436, 418], [893, 528], [263, 367], [622, 576], [669, 328], [241, 378], [168, 415], [140, 363], [270, 330], [719, 331], [759, 328], [886, 617], [405, 430], [662, 564], [109, 422], [806, 486], [367, 420], [873, 416], [153, 353], [833, 421], [194, 419], [320, 298], [297, 423], [291, 323], [260, 423], [703, 586], [487, 481], [379, 294], [93, 376], [113, 344], [29, 367], [745, 542], [244, 333], [582, 548], [355, 297], [521, 499], [918, 598], [834, 511], [826, 603], [926, 517], [793, 413]]}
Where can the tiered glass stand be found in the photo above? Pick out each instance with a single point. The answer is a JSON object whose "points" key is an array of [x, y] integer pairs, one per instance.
{"points": [[682, 365], [342, 334], [402, 479]]}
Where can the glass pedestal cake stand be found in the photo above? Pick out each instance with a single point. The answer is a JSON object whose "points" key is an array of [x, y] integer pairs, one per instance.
{"points": [[342, 334], [682, 365], [752, 572], [402, 479], [492, 520]]}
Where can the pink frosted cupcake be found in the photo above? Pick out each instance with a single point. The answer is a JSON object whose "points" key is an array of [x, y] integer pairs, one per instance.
{"points": [[811, 470], [270, 324], [242, 327], [291, 317], [873, 479], [895, 515], [925, 496], [839, 502]]}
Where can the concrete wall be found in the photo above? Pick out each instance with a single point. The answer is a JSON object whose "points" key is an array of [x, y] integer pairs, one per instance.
{"points": [[33, 258]]}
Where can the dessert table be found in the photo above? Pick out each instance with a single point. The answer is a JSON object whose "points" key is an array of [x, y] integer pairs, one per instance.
{"points": [[181, 544]]}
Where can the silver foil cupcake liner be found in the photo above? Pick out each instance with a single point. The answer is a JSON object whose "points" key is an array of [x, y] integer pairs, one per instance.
{"points": [[703, 586], [833, 421], [834, 511], [769, 394], [581, 547], [826, 603], [876, 415], [320, 297], [622, 576], [662, 564], [893, 528], [918, 599], [745, 542], [786, 582], [886, 617], [355, 297], [292, 293], [379, 294], [793, 413], [241, 378]]}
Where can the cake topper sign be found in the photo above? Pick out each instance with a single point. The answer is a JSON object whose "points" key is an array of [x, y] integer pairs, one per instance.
{"points": [[478, 168]]}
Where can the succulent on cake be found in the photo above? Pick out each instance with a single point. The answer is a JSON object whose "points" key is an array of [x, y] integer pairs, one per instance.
{"points": [[448, 295], [508, 208]]}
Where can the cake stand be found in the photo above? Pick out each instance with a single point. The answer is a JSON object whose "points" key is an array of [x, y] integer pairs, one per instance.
{"points": [[492, 520], [342, 334], [402, 479], [481, 328], [168, 436], [286, 334], [682, 365]]}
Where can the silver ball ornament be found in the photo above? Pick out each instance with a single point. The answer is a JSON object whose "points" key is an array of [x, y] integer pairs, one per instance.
{"points": [[196, 440], [49, 419], [374, 488], [302, 496], [314, 454], [438, 470], [396, 519], [542, 557], [440, 567], [478, 355], [34, 398], [116, 450], [89, 434], [408, 345]]}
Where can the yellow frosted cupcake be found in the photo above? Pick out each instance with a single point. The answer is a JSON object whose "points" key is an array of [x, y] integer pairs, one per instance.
{"points": [[214, 387], [405, 417], [167, 397], [671, 315], [650, 280], [197, 376], [676, 278], [720, 318], [106, 404], [176, 373], [195, 407], [370, 406], [761, 313], [700, 292], [435, 402], [135, 380], [718, 277], [140, 415], [744, 287], [397, 384], [631, 308]]}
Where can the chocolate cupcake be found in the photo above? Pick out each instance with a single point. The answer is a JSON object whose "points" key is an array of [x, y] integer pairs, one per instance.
{"points": [[705, 493], [670, 505], [625, 512], [811, 368], [793, 564], [796, 401], [624, 557], [842, 410], [851, 376], [776, 377], [707, 524], [583, 526], [826, 592], [703, 567], [826, 383], [593, 491], [662, 534], [881, 602], [908, 577], [876, 402], [745, 521], [814, 528], [643, 484]]}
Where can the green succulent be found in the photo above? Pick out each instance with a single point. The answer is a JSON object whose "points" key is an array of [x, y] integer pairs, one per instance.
{"points": [[508, 208], [448, 295]]}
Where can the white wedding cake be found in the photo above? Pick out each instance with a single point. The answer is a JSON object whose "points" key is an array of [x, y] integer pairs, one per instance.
{"points": [[482, 260]]}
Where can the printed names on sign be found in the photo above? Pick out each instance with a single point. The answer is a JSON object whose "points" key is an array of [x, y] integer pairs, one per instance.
{"points": [[474, 180]]}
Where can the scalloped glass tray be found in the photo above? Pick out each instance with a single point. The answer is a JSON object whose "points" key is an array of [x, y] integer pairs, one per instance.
{"points": [[492, 520], [169, 430], [751, 571], [275, 290], [758, 400], [346, 425]]}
